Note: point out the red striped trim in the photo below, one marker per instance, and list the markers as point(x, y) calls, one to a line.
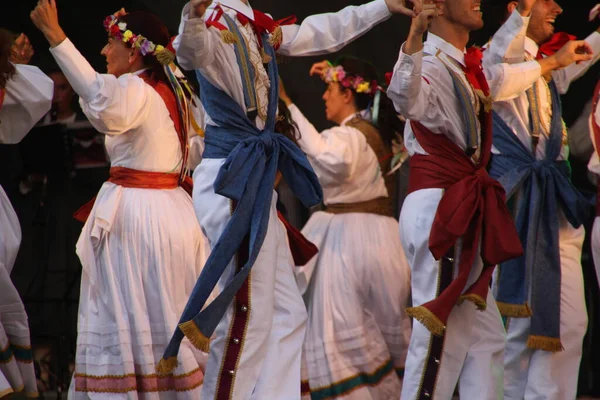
point(305, 388)
point(237, 331)
point(138, 383)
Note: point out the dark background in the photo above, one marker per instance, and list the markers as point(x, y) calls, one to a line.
point(47, 268)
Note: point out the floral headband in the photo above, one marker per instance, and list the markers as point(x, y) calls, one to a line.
point(119, 31)
point(354, 82)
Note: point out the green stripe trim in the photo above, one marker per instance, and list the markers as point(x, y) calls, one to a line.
point(23, 354)
point(348, 385)
point(6, 354)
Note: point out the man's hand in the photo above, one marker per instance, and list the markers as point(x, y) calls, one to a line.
point(575, 51)
point(420, 24)
point(21, 51)
point(412, 8)
point(200, 6)
point(525, 7)
point(45, 18)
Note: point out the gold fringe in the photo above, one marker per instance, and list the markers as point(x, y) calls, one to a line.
point(165, 57)
point(428, 319)
point(166, 366)
point(545, 343)
point(265, 57)
point(196, 337)
point(228, 37)
point(479, 302)
point(514, 310)
point(276, 37)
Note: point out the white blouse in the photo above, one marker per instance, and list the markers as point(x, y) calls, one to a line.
point(345, 164)
point(28, 98)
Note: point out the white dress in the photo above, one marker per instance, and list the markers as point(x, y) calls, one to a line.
point(28, 98)
point(141, 249)
point(358, 286)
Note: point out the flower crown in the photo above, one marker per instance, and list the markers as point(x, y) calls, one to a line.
point(354, 82)
point(119, 31)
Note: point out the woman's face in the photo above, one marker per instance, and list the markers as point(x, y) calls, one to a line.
point(335, 98)
point(118, 57)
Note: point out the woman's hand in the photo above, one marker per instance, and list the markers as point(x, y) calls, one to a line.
point(319, 68)
point(45, 18)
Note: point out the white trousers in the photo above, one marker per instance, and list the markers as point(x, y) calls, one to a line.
point(470, 354)
point(255, 352)
point(541, 375)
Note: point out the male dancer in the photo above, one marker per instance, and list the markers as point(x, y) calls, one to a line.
point(255, 352)
point(455, 212)
point(541, 293)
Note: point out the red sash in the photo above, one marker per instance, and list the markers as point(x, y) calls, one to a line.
point(472, 208)
point(596, 130)
point(302, 249)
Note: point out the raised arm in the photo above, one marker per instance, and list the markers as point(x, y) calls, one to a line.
point(508, 43)
point(112, 105)
point(195, 44)
point(564, 77)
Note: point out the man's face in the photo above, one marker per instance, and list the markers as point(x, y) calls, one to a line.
point(464, 12)
point(541, 23)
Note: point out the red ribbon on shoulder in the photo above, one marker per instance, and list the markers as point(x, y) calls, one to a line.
point(556, 42)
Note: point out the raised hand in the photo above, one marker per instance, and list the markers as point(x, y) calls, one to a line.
point(525, 7)
point(120, 13)
point(200, 6)
point(574, 51)
point(419, 26)
point(412, 8)
point(319, 68)
point(45, 18)
point(21, 51)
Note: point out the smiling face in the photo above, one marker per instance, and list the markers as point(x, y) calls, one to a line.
point(466, 13)
point(541, 23)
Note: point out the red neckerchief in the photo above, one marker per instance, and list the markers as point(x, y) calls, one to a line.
point(262, 22)
point(556, 42)
point(474, 71)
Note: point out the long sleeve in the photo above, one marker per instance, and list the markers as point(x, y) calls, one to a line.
point(329, 32)
point(195, 44)
point(508, 81)
point(28, 98)
point(564, 77)
point(508, 43)
point(411, 87)
point(113, 105)
point(594, 164)
point(333, 152)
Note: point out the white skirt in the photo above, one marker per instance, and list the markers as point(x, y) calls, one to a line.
point(142, 251)
point(16, 361)
point(356, 291)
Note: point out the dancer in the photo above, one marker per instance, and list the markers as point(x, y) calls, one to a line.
point(141, 248)
point(259, 318)
point(541, 293)
point(454, 225)
point(25, 96)
point(358, 286)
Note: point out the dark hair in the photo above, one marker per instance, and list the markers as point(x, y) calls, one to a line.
point(285, 124)
point(152, 28)
point(7, 70)
point(387, 123)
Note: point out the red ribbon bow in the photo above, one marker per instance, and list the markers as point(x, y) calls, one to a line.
point(556, 42)
point(474, 71)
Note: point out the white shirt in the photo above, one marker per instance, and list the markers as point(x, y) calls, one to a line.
point(28, 97)
point(347, 167)
point(511, 45)
point(422, 89)
point(140, 132)
point(199, 47)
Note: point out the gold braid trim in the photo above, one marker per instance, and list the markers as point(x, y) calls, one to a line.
point(264, 56)
point(545, 343)
point(479, 302)
point(428, 319)
point(276, 37)
point(196, 337)
point(228, 37)
point(166, 366)
point(514, 310)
